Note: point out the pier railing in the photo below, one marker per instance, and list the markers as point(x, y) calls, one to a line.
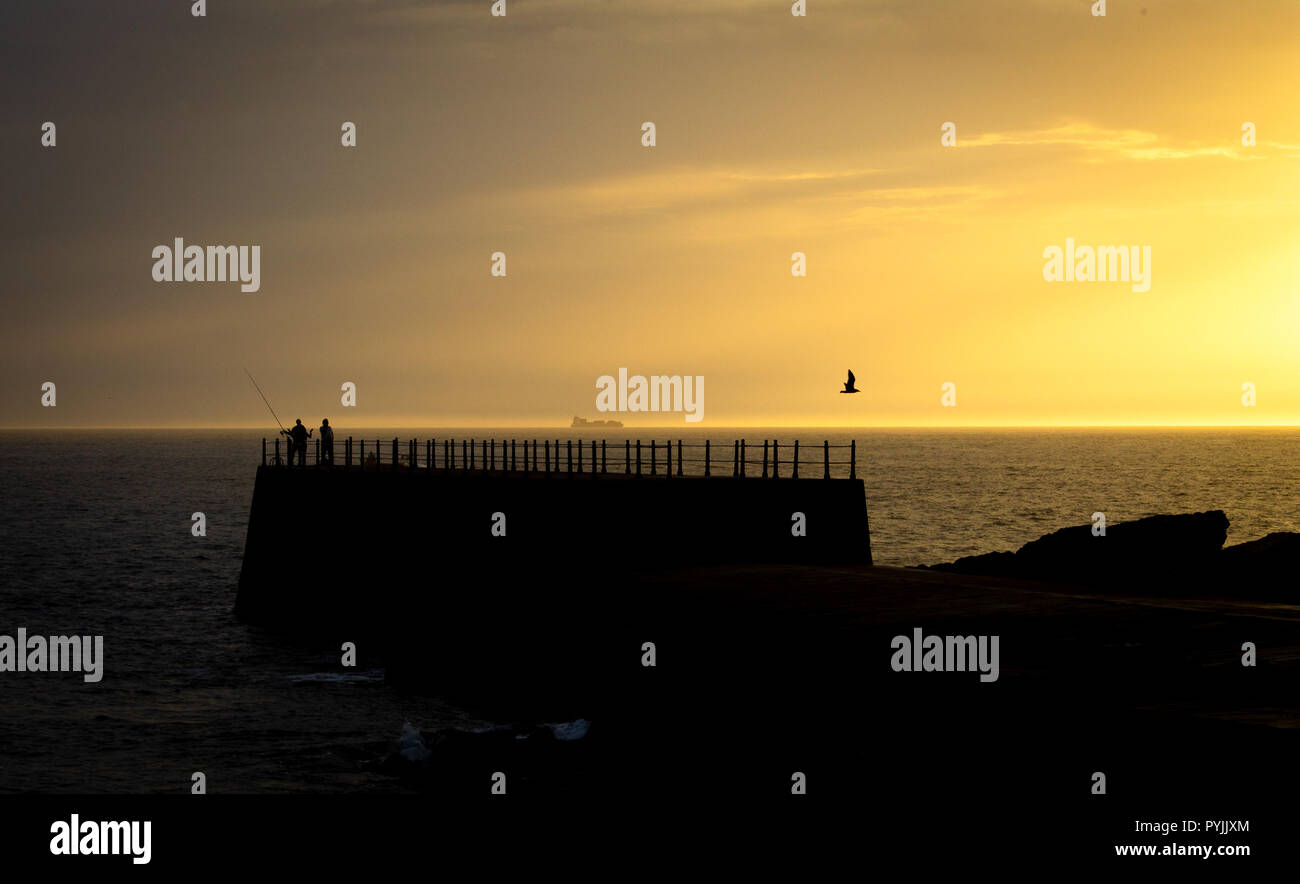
point(739, 458)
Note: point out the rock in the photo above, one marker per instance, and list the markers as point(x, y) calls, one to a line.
point(1268, 562)
point(994, 564)
point(1161, 547)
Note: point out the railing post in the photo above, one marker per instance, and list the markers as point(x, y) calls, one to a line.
point(668, 459)
point(776, 461)
point(742, 458)
point(394, 453)
point(679, 457)
point(485, 453)
point(735, 457)
point(652, 457)
point(706, 457)
point(263, 451)
point(361, 464)
point(514, 464)
point(534, 455)
point(579, 455)
point(638, 457)
point(414, 459)
point(853, 458)
point(568, 453)
point(795, 475)
point(602, 454)
point(347, 453)
point(593, 457)
point(764, 458)
point(627, 456)
point(826, 458)
point(548, 455)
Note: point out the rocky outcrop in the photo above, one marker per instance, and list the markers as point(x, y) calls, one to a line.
point(1268, 565)
point(1156, 547)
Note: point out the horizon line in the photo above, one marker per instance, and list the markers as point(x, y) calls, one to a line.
point(408, 426)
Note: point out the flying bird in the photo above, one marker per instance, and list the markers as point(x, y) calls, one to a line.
point(848, 385)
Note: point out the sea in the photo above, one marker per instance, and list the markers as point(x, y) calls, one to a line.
point(96, 539)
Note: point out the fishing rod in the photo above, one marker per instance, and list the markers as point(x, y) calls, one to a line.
point(267, 401)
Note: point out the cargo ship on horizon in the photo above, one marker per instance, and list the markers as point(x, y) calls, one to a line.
point(582, 422)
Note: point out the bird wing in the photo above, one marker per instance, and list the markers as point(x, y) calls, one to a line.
point(851, 378)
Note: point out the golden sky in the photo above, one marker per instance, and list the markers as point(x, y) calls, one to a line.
point(775, 134)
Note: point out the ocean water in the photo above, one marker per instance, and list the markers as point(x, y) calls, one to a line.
point(95, 539)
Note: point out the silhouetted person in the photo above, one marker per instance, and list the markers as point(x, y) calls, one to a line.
point(298, 437)
point(848, 385)
point(326, 441)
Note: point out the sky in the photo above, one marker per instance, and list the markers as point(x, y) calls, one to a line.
point(775, 134)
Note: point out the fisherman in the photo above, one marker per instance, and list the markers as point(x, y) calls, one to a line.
point(326, 442)
point(298, 437)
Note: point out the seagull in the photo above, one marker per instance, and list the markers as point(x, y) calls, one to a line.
point(848, 385)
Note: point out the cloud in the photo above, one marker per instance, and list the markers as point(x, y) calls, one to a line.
point(1134, 144)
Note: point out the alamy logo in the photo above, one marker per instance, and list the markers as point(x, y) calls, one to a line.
point(58, 653)
point(946, 653)
point(1102, 264)
point(658, 393)
point(182, 263)
point(92, 838)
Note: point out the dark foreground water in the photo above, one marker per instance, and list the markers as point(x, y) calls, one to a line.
point(95, 539)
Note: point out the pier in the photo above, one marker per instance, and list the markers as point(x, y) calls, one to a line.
point(632, 457)
point(511, 562)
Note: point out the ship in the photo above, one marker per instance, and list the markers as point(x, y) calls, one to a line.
point(583, 422)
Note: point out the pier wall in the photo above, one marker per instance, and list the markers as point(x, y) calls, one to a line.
point(407, 561)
